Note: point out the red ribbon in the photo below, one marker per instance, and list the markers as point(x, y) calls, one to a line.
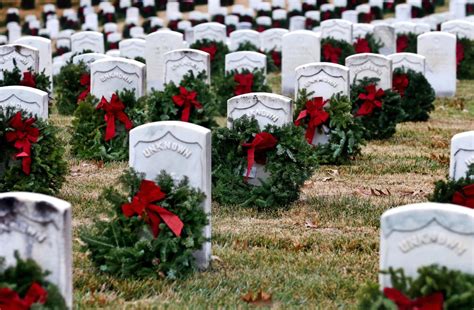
point(362, 46)
point(459, 53)
point(86, 82)
point(10, 300)
point(186, 99)
point(28, 79)
point(402, 43)
point(400, 83)
point(317, 116)
point(244, 83)
point(262, 142)
point(22, 137)
point(276, 56)
point(260, 28)
point(372, 100)
point(211, 50)
point(142, 205)
point(465, 197)
point(431, 302)
point(113, 110)
point(331, 53)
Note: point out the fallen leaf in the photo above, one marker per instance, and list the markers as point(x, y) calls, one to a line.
point(243, 245)
point(216, 258)
point(441, 158)
point(415, 193)
point(439, 143)
point(310, 224)
point(380, 192)
point(326, 179)
point(262, 299)
point(297, 246)
point(332, 172)
point(100, 164)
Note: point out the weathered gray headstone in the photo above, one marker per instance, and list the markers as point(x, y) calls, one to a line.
point(370, 65)
point(462, 154)
point(178, 63)
point(29, 99)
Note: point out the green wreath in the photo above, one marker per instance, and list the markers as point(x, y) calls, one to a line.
point(335, 51)
point(162, 106)
point(68, 86)
point(44, 169)
point(127, 245)
point(407, 42)
point(416, 93)
point(346, 131)
point(228, 86)
point(368, 44)
point(25, 285)
point(454, 289)
point(89, 129)
point(290, 163)
point(217, 51)
point(378, 122)
point(466, 59)
point(37, 80)
point(459, 191)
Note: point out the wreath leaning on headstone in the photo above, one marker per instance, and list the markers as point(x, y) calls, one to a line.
point(416, 93)
point(379, 110)
point(406, 42)
point(152, 231)
point(333, 117)
point(24, 286)
point(235, 83)
point(288, 159)
point(435, 288)
point(459, 192)
point(465, 58)
point(100, 127)
point(28, 78)
point(217, 52)
point(335, 51)
point(71, 85)
point(31, 155)
point(190, 101)
point(367, 44)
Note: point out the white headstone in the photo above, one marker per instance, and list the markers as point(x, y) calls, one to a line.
point(179, 62)
point(460, 28)
point(297, 23)
point(87, 40)
point(411, 61)
point(246, 60)
point(338, 29)
point(439, 48)
point(299, 48)
point(14, 31)
point(211, 31)
point(462, 154)
point(38, 227)
point(272, 39)
point(386, 35)
point(132, 48)
point(157, 44)
point(25, 57)
point(43, 46)
point(351, 16)
point(53, 26)
point(88, 58)
point(239, 37)
point(181, 149)
point(29, 99)
point(360, 30)
point(110, 75)
point(423, 234)
point(371, 66)
point(403, 12)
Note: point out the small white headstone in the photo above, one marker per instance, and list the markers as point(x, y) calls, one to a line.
point(386, 35)
point(178, 63)
point(88, 58)
point(43, 46)
point(462, 154)
point(460, 28)
point(297, 23)
point(29, 99)
point(403, 12)
point(370, 65)
point(211, 31)
point(411, 61)
point(239, 37)
point(246, 61)
point(338, 29)
point(25, 57)
point(272, 39)
point(87, 40)
point(132, 48)
point(14, 31)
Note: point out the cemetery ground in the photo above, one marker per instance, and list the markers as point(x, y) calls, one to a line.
point(317, 253)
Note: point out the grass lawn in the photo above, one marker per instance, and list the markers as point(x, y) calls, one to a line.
point(315, 254)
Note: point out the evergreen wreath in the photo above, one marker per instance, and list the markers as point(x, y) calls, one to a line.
point(406, 42)
point(416, 93)
point(31, 155)
point(24, 286)
point(290, 161)
point(37, 80)
point(71, 85)
point(368, 44)
point(134, 242)
point(95, 138)
point(236, 83)
point(435, 286)
point(217, 51)
point(345, 131)
point(379, 110)
point(460, 192)
point(465, 59)
point(335, 51)
point(271, 66)
point(190, 101)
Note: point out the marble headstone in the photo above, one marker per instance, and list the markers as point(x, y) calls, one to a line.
point(87, 40)
point(25, 57)
point(462, 154)
point(132, 48)
point(337, 29)
point(239, 37)
point(411, 61)
point(246, 60)
point(460, 28)
point(88, 58)
point(43, 46)
point(211, 31)
point(271, 39)
point(179, 62)
point(29, 99)
point(386, 35)
point(371, 66)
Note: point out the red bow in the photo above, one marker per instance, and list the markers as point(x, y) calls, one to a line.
point(459, 53)
point(23, 135)
point(260, 28)
point(28, 79)
point(317, 116)
point(86, 82)
point(244, 83)
point(262, 142)
point(362, 46)
point(211, 50)
point(326, 15)
point(276, 56)
point(331, 53)
point(10, 300)
point(142, 205)
point(431, 302)
point(113, 110)
point(400, 83)
point(371, 100)
point(465, 197)
point(187, 100)
point(402, 43)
